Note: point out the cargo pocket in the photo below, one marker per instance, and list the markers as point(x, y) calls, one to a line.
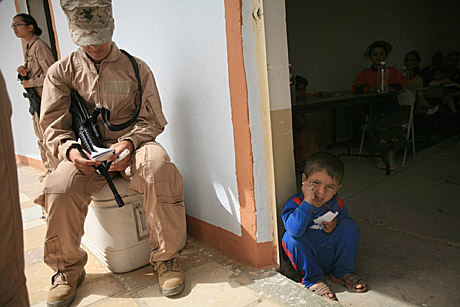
point(53, 255)
point(170, 223)
point(171, 227)
point(169, 185)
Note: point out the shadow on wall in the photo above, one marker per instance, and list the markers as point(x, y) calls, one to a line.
point(211, 193)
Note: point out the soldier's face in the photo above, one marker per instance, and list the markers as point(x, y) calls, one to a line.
point(21, 30)
point(98, 52)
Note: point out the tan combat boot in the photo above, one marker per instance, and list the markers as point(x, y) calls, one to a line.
point(170, 277)
point(62, 294)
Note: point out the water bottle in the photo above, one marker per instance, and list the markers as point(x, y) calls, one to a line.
point(382, 78)
point(405, 72)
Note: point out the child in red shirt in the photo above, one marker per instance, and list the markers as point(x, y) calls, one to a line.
point(387, 133)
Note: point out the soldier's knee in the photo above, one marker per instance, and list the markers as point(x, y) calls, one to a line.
point(60, 180)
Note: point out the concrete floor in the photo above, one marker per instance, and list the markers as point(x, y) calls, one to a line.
point(408, 251)
point(410, 229)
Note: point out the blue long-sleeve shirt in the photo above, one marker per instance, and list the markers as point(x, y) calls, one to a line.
point(298, 215)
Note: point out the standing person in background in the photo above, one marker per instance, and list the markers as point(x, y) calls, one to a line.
point(37, 59)
point(13, 291)
point(387, 131)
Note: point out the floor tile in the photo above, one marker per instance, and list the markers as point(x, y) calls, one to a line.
point(99, 289)
point(31, 213)
point(38, 281)
point(125, 300)
point(23, 198)
point(33, 223)
point(34, 237)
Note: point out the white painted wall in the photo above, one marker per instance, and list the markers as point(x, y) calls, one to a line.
point(184, 43)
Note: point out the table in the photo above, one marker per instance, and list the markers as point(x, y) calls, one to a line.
point(343, 100)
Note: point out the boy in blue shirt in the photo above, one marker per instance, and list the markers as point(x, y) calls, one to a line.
point(320, 235)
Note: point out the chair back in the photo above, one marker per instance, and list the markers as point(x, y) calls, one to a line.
point(406, 98)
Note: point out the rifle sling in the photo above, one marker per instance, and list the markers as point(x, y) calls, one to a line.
point(105, 113)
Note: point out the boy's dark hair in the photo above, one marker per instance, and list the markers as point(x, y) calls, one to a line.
point(29, 20)
point(413, 52)
point(383, 44)
point(325, 161)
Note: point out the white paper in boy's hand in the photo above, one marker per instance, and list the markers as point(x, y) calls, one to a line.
point(327, 217)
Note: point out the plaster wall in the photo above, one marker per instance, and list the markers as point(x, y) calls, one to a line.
point(280, 104)
point(262, 178)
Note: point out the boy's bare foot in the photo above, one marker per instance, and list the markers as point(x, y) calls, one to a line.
point(322, 289)
point(351, 281)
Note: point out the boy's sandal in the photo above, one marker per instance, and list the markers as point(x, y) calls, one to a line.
point(350, 281)
point(322, 289)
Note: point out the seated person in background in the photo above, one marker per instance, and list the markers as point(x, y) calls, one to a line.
point(301, 89)
point(450, 66)
point(387, 133)
point(437, 61)
point(415, 81)
point(439, 77)
point(451, 91)
point(305, 140)
point(314, 247)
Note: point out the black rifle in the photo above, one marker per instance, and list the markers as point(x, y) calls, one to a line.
point(86, 129)
point(33, 97)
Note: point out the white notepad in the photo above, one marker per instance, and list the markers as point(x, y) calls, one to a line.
point(327, 217)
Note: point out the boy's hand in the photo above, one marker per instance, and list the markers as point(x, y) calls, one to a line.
point(330, 226)
point(308, 191)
